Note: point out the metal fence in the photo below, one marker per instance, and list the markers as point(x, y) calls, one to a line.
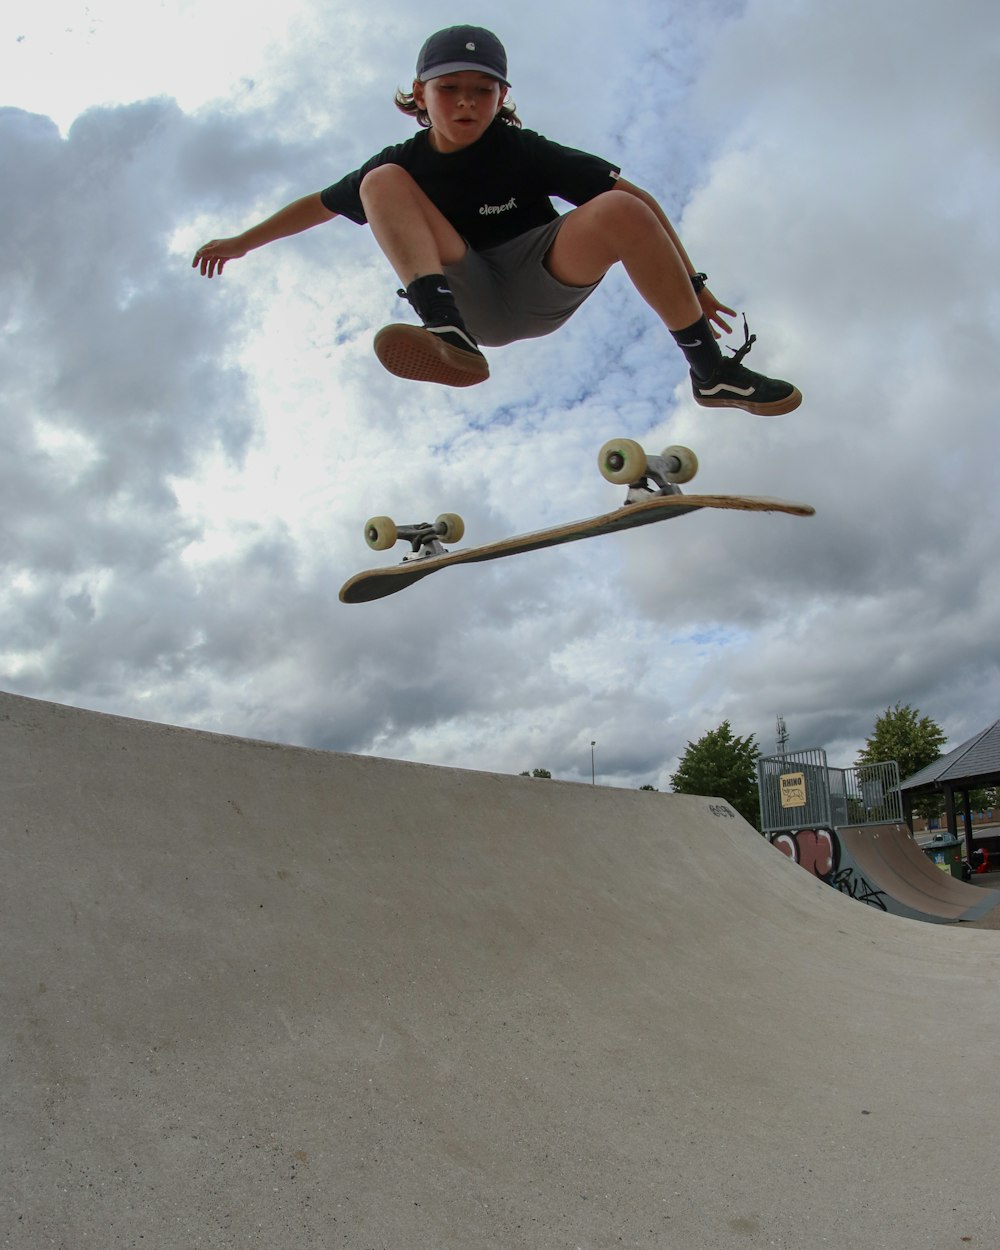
point(794, 791)
point(871, 794)
point(800, 789)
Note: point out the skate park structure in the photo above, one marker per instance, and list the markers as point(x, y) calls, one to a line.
point(845, 826)
point(260, 996)
point(972, 765)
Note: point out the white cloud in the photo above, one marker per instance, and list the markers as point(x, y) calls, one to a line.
point(187, 465)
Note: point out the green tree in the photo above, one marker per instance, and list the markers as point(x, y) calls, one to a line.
point(721, 764)
point(903, 735)
point(538, 772)
point(913, 741)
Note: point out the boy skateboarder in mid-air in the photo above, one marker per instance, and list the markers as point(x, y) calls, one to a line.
point(463, 214)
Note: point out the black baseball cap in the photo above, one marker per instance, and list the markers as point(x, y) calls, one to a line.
point(462, 47)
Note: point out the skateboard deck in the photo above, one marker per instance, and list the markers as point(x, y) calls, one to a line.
point(377, 583)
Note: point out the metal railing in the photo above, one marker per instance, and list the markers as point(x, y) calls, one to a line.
point(800, 789)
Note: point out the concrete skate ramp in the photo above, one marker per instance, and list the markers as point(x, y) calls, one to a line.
point(889, 860)
point(277, 999)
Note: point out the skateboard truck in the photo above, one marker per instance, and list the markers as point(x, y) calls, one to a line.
point(624, 462)
point(425, 539)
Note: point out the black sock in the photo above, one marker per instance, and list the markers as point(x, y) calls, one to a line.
point(700, 349)
point(433, 301)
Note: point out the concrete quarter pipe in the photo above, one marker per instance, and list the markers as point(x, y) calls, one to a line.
point(882, 866)
point(258, 996)
point(891, 858)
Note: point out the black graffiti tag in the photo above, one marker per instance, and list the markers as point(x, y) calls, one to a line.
point(848, 882)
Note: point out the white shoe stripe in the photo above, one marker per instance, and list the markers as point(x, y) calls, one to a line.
point(453, 330)
point(746, 392)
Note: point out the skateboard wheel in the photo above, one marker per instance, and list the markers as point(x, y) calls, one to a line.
point(622, 461)
point(380, 533)
point(454, 527)
point(689, 463)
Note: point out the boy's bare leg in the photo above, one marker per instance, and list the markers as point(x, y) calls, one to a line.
point(414, 235)
point(627, 225)
point(419, 242)
point(617, 226)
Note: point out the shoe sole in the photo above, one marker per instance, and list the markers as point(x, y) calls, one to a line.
point(777, 408)
point(414, 353)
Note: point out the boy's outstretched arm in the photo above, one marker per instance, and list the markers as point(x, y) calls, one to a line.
point(292, 219)
point(710, 305)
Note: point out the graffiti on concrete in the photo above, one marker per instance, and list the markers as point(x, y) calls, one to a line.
point(847, 881)
point(818, 852)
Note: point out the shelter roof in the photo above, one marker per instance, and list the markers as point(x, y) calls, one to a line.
point(976, 762)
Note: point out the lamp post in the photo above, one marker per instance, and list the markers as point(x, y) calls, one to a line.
point(593, 773)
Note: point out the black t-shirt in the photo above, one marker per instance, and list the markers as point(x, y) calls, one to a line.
point(491, 191)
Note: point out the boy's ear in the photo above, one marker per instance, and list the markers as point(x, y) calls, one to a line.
point(503, 96)
point(418, 92)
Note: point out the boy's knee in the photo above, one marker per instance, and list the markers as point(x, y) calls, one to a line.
point(384, 179)
point(628, 209)
point(618, 214)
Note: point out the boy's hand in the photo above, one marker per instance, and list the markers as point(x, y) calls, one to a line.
point(211, 258)
point(712, 309)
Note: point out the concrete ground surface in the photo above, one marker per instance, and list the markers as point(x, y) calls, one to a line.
point(264, 997)
point(987, 881)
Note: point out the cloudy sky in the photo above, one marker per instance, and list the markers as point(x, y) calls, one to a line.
point(186, 466)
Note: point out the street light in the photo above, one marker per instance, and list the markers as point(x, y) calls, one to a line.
point(593, 774)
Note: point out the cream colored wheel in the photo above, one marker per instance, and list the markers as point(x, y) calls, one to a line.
point(622, 461)
point(689, 463)
point(454, 527)
point(380, 533)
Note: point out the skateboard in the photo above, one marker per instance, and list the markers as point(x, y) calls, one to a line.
point(654, 494)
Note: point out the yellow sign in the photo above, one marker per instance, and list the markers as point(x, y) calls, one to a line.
point(793, 790)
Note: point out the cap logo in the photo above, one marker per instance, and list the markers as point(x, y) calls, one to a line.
point(470, 47)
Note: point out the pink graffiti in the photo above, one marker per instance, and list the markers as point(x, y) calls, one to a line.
point(812, 848)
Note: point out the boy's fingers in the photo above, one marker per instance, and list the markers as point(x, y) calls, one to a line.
point(207, 264)
point(202, 258)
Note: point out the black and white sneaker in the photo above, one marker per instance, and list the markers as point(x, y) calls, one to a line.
point(441, 353)
point(732, 385)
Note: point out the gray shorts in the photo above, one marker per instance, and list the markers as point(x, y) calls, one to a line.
point(505, 293)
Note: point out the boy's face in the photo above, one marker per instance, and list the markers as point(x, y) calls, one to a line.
point(460, 106)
